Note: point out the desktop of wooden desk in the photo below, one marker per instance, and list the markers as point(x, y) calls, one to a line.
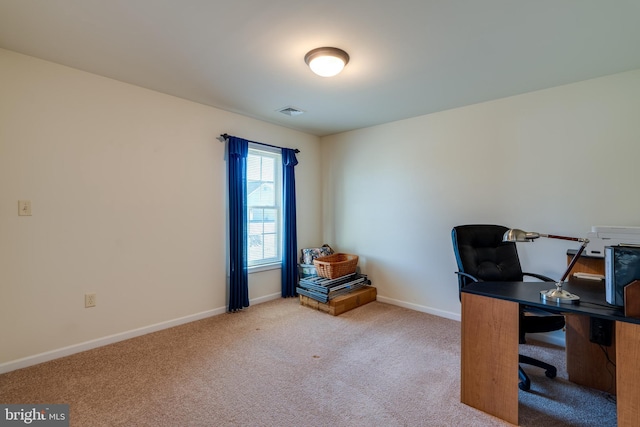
point(489, 344)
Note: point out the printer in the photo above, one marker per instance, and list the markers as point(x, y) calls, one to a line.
point(601, 236)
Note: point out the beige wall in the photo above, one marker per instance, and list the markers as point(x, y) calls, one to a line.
point(557, 161)
point(128, 193)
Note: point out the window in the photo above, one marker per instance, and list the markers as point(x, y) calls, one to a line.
point(264, 202)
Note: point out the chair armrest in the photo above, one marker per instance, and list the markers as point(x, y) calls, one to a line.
point(461, 281)
point(539, 277)
point(475, 279)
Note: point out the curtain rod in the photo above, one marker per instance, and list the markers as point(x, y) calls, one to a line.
point(225, 136)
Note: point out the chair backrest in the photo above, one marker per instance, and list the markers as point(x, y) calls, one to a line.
point(480, 252)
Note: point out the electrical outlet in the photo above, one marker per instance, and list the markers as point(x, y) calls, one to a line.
point(601, 331)
point(89, 300)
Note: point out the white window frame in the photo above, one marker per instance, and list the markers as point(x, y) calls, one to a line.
point(275, 262)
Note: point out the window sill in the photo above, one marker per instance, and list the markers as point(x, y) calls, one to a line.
point(264, 267)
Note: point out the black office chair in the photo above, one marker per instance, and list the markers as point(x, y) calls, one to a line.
point(483, 256)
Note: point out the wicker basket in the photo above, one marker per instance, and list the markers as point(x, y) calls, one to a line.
point(336, 265)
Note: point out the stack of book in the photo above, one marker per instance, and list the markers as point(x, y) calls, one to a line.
point(323, 289)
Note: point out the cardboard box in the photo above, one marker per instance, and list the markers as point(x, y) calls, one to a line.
point(342, 303)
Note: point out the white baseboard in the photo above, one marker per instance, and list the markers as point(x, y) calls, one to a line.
point(99, 342)
point(555, 338)
point(265, 298)
point(416, 307)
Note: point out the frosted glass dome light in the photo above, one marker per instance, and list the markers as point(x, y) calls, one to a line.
point(326, 61)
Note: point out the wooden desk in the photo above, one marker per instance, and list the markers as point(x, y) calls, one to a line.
point(489, 356)
point(587, 362)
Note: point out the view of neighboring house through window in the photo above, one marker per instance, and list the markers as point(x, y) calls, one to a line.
point(264, 201)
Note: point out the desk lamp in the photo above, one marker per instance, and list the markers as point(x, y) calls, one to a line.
point(557, 295)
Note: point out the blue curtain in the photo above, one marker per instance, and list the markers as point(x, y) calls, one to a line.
point(237, 165)
point(289, 235)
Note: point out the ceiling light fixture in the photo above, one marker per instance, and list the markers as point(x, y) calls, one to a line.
point(326, 61)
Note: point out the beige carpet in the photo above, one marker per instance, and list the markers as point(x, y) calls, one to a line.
point(282, 364)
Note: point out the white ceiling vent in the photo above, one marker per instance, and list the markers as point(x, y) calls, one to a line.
point(291, 111)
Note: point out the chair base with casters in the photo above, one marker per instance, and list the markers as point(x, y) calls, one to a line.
point(525, 382)
point(535, 324)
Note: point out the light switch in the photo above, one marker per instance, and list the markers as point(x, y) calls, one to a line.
point(24, 207)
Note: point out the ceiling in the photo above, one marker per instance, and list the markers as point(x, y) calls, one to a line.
point(408, 57)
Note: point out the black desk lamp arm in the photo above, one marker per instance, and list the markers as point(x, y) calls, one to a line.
point(574, 259)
